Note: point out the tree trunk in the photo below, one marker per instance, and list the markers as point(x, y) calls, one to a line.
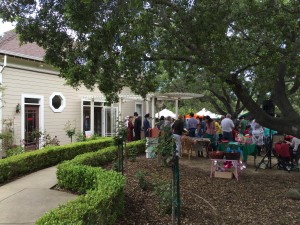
point(289, 124)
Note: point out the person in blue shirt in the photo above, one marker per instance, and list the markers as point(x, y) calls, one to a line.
point(192, 125)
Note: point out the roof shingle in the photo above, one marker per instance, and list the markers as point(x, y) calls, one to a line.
point(10, 44)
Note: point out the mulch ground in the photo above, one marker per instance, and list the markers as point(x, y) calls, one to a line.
point(259, 197)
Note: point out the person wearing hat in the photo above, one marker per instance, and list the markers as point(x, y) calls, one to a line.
point(161, 122)
point(137, 126)
point(146, 125)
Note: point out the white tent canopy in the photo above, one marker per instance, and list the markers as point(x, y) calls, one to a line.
point(204, 112)
point(165, 113)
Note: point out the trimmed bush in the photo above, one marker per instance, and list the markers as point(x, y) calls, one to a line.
point(28, 162)
point(102, 201)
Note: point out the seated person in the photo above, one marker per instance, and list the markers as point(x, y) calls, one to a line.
point(294, 146)
point(235, 132)
point(247, 130)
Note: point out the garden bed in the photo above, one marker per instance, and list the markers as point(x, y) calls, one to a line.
point(257, 198)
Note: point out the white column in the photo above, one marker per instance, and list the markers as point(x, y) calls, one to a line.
point(120, 110)
point(147, 106)
point(176, 108)
point(92, 119)
point(153, 111)
point(81, 116)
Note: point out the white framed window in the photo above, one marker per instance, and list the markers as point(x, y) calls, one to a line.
point(57, 102)
point(32, 99)
point(139, 108)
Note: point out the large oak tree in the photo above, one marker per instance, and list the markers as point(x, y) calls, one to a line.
point(114, 43)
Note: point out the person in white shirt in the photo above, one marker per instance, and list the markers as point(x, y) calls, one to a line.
point(295, 143)
point(227, 126)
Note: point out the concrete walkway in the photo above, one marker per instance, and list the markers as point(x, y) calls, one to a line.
point(25, 200)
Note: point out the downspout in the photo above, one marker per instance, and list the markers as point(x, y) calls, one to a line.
point(92, 116)
point(1, 102)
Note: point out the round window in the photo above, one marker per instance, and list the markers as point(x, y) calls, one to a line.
point(57, 102)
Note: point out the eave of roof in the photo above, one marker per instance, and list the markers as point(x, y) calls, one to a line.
point(175, 95)
point(21, 55)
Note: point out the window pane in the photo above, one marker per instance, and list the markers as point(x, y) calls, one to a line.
point(98, 103)
point(86, 118)
point(32, 100)
point(139, 109)
point(56, 101)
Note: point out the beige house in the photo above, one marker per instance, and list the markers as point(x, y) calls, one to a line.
point(36, 98)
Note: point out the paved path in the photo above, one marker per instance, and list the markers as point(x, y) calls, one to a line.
point(26, 199)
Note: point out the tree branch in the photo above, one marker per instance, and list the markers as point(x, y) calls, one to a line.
point(216, 105)
point(279, 93)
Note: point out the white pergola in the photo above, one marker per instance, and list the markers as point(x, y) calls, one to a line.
point(151, 98)
point(171, 96)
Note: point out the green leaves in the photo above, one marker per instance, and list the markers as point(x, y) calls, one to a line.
point(115, 43)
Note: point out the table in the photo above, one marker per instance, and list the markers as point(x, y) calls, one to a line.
point(218, 164)
point(199, 143)
point(245, 148)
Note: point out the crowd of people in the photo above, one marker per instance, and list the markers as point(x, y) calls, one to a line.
point(216, 130)
point(135, 125)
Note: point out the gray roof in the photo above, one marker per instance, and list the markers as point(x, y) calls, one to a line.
point(10, 45)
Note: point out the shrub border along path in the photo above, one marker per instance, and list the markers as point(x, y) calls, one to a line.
point(19, 165)
point(102, 201)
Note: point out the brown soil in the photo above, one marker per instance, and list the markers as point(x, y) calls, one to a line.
point(257, 198)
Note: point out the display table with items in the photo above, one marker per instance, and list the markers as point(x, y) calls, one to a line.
point(224, 165)
point(245, 148)
point(190, 144)
point(201, 144)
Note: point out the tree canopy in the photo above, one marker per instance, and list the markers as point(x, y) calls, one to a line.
point(250, 46)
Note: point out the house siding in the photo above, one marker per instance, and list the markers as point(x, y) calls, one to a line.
point(20, 81)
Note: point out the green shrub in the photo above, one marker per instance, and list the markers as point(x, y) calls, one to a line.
point(17, 150)
point(28, 162)
point(7, 137)
point(103, 199)
point(141, 178)
point(164, 192)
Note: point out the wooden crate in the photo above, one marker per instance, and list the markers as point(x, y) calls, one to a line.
point(226, 175)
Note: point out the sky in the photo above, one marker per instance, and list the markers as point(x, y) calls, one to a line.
point(5, 27)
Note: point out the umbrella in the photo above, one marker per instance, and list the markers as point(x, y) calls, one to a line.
point(165, 113)
point(204, 112)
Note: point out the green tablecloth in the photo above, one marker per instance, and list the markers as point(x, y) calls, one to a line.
point(247, 149)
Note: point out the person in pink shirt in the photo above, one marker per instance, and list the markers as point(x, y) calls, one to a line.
point(211, 130)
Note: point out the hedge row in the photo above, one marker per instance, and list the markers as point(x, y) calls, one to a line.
point(102, 201)
point(19, 165)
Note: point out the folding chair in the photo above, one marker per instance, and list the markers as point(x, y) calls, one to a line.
point(187, 145)
point(283, 155)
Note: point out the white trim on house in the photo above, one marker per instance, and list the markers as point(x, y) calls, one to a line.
point(81, 115)
point(92, 106)
point(41, 112)
point(135, 108)
point(28, 68)
point(21, 55)
point(1, 100)
point(63, 102)
point(112, 126)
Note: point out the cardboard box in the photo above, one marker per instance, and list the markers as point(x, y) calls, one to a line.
point(226, 175)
